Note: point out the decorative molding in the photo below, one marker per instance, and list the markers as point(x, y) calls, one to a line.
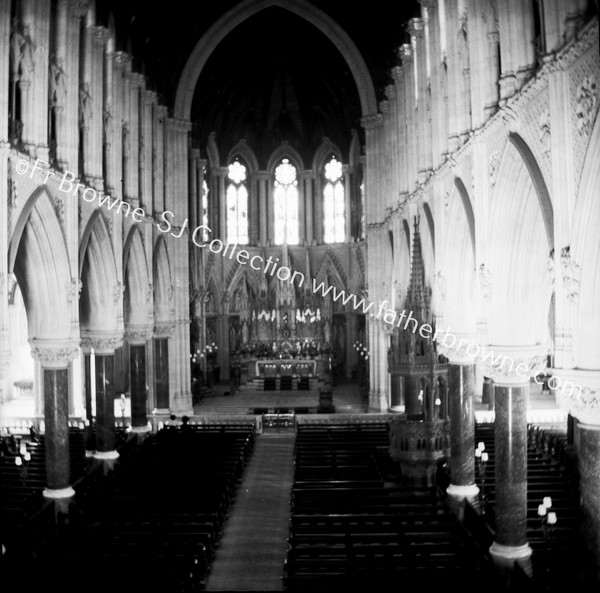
point(587, 100)
point(441, 284)
point(102, 343)
point(138, 335)
point(485, 281)
point(118, 292)
point(372, 121)
point(164, 330)
point(504, 364)
point(54, 353)
point(571, 273)
point(578, 393)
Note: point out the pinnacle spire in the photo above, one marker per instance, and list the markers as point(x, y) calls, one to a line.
point(417, 298)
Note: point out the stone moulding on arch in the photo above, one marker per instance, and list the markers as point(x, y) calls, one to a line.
point(244, 10)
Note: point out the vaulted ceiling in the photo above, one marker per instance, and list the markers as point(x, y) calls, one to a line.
point(274, 77)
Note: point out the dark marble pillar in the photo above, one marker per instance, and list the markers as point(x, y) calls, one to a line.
point(137, 383)
point(161, 373)
point(105, 406)
point(510, 437)
point(589, 484)
point(56, 417)
point(461, 382)
point(487, 394)
point(55, 357)
point(411, 395)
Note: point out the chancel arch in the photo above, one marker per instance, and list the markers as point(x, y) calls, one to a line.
point(237, 15)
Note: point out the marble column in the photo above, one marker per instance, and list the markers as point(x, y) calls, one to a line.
point(104, 346)
point(511, 388)
point(137, 379)
point(461, 381)
point(578, 393)
point(510, 438)
point(55, 358)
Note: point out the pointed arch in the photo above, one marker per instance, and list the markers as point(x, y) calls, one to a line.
point(585, 252)
point(137, 281)
point(163, 283)
point(246, 153)
point(326, 148)
point(98, 307)
point(283, 151)
point(458, 265)
point(331, 268)
point(38, 256)
point(521, 240)
point(242, 11)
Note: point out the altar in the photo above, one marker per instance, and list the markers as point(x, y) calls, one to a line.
point(282, 366)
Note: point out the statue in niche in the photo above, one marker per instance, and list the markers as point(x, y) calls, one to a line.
point(22, 49)
point(126, 140)
point(209, 300)
point(245, 336)
point(58, 82)
point(85, 104)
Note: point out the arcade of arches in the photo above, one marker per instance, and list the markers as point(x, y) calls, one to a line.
point(461, 184)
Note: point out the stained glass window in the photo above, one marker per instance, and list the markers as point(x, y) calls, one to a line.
point(285, 203)
point(334, 203)
point(236, 198)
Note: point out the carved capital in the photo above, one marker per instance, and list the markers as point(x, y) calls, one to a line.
point(54, 353)
point(513, 365)
point(371, 122)
point(578, 393)
point(137, 334)
point(102, 343)
point(164, 330)
point(458, 348)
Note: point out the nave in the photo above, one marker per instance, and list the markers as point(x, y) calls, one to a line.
point(246, 503)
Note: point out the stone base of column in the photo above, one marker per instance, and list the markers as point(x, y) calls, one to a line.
point(504, 557)
point(140, 429)
point(106, 455)
point(58, 493)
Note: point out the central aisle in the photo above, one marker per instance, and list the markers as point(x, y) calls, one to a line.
point(253, 546)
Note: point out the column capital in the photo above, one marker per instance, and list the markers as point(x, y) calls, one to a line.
point(463, 350)
point(372, 121)
point(513, 365)
point(138, 334)
point(54, 353)
point(103, 343)
point(578, 393)
point(164, 330)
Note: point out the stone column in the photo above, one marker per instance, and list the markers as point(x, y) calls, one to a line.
point(104, 346)
point(347, 204)
point(162, 333)
point(461, 388)
point(262, 177)
point(55, 358)
point(578, 392)
point(221, 173)
point(308, 201)
point(511, 387)
point(137, 340)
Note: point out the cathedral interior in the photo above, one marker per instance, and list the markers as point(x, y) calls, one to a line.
point(300, 295)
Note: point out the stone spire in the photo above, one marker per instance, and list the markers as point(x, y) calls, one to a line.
point(417, 299)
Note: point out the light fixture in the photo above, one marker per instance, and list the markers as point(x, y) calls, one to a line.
point(18, 461)
point(484, 457)
point(27, 456)
point(481, 446)
point(541, 510)
point(477, 452)
point(438, 401)
point(547, 502)
point(552, 518)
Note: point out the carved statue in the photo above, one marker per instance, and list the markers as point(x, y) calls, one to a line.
point(85, 104)
point(58, 81)
point(22, 50)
